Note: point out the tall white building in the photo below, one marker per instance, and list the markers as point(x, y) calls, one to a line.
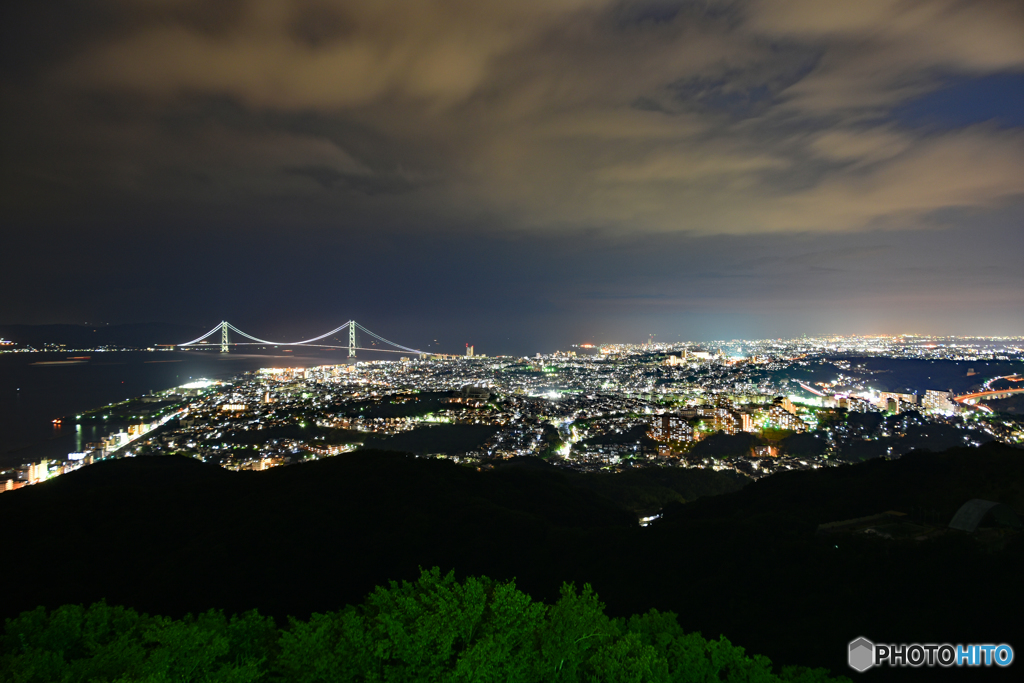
point(939, 401)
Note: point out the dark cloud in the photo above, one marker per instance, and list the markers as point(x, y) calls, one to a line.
point(332, 179)
point(599, 160)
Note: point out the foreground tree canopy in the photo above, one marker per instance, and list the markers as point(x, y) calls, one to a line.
point(434, 629)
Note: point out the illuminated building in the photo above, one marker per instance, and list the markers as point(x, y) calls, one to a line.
point(12, 484)
point(725, 421)
point(38, 471)
point(669, 427)
point(722, 419)
point(896, 402)
point(780, 418)
point(786, 405)
point(480, 393)
point(939, 401)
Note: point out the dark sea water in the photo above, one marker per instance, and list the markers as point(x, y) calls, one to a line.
point(36, 388)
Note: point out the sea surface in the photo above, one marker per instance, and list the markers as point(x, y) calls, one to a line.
point(36, 388)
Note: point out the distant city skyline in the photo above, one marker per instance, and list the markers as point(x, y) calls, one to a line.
point(162, 337)
point(517, 176)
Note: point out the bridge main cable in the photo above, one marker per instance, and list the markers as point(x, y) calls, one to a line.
point(257, 339)
point(328, 334)
point(354, 325)
point(374, 334)
point(199, 339)
point(297, 343)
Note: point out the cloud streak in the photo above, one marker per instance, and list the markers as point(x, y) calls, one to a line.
point(572, 121)
point(625, 116)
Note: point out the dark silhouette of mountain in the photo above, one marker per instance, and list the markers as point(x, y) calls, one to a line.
point(172, 535)
point(138, 335)
point(645, 490)
point(936, 483)
point(721, 445)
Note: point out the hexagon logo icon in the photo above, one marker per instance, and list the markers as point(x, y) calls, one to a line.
point(862, 654)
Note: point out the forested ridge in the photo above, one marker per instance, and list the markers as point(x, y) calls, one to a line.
point(432, 629)
point(173, 536)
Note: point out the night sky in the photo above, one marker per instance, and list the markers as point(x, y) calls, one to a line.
point(518, 175)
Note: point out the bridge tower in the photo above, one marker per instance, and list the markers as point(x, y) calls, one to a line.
point(351, 338)
point(224, 336)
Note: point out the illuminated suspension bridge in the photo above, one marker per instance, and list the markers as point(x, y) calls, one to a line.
point(225, 341)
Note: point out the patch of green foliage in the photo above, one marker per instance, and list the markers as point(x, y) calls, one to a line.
point(439, 438)
point(635, 434)
point(806, 445)
point(433, 629)
point(407, 405)
point(108, 643)
point(721, 445)
point(1011, 405)
point(299, 431)
point(551, 442)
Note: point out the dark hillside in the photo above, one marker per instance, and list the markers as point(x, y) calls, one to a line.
point(648, 489)
point(173, 535)
point(643, 490)
point(924, 483)
point(170, 535)
point(751, 564)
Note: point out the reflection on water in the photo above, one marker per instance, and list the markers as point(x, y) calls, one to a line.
point(37, 388)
